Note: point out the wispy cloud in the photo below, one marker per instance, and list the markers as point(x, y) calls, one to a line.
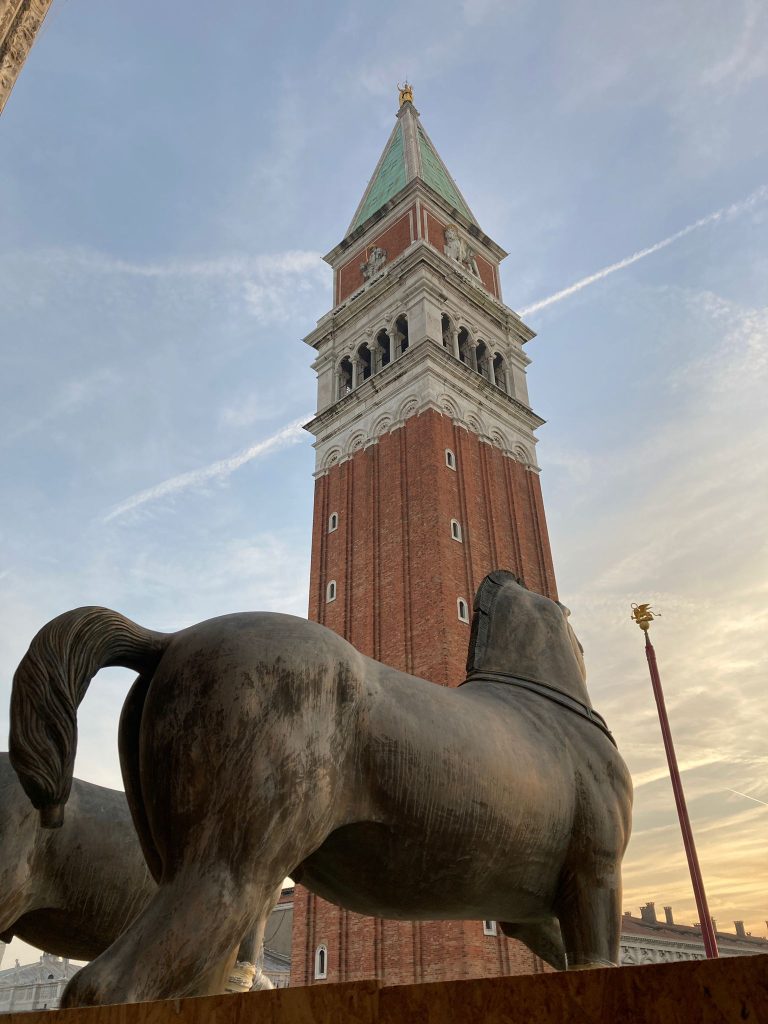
point(287, 435)
point(71, 396)
point(758, 196)
point(747, 797)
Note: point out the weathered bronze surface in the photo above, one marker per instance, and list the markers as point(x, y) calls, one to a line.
point(259, 745)
point(74, 891)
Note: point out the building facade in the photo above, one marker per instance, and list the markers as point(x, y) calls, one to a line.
point(426, 480)
point(648, 940)
point(35, 986)
point(20, 21)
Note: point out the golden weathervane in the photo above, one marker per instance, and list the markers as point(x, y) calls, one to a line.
point(643, 616)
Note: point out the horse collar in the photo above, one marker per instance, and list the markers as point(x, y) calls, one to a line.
point(545, 690)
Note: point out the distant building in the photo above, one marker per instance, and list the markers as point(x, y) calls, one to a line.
point(647, 940)
point(35, 986)
point(277, 941)
point(20, 21)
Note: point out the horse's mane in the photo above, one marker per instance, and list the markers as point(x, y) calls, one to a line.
point(485, 599)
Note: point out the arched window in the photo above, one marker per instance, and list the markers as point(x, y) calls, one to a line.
point(489, 927)
point(456, 530)
point(483, 360)
point(464, 345)
point(364, 363)
point(401, 334)
point(344, 377)
point(499, 371)
point(445, 323)
point(330, 591)
point(383, 348)
point(321, 962)
point(463, 609)
point(333, 522)
point(450, 459)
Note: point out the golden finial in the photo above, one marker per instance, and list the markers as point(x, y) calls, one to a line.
point(406, 93)
point(643, 616)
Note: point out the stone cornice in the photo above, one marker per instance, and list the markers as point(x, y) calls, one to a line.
point(424, 377)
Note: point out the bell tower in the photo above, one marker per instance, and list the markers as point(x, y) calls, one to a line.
point(425, 480)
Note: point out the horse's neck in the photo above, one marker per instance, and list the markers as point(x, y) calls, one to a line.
point(557, 672)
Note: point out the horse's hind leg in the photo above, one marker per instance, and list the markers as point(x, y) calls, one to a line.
point(183, 943)
point(590, 922)
point(542, 938)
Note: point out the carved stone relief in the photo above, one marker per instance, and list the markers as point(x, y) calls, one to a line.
point(375, 262)
point(457, 249)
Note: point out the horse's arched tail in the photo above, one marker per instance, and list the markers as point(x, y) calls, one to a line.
point(49, 685)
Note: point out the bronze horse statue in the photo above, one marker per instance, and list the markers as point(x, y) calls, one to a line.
point(258, 745)
point(75, 890)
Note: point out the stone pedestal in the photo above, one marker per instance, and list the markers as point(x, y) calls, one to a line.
point(728, 991)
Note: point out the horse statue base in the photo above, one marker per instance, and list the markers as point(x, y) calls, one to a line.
point(709, 991)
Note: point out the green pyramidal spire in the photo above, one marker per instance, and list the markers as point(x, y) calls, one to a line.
point(408, 154)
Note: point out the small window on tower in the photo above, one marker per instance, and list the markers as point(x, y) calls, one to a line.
point(489, 927)
point(330, 591)
point(450, 459)
point(333, 522)
point(456, 529)
point(463, 609)
point(321, 962)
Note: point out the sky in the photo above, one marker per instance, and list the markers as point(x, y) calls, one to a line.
point(169, 180)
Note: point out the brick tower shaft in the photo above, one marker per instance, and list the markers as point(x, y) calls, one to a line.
point(426, 480)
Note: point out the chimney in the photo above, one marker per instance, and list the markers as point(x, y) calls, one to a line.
point(740, 929)
point(668, 915)
point(648, 913)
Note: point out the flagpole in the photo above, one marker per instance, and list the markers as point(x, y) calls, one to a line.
point(643, 616)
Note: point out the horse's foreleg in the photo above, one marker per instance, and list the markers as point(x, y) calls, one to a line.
point(183, 943)
point(590, 923)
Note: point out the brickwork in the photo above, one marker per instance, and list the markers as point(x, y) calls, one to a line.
point(487, 275)
point(395, 239)
point(398, 574)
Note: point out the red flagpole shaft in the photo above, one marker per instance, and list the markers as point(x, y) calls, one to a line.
point(707, 929)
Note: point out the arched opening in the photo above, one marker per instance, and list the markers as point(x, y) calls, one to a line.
point(330, 591)
point(464, 345)
point(333, 522)
point(450, 459)
point(483, 360)
point(364, 363)
point(463, 609)
point(456, 530)
point(447, 328)
point(401, 334)
point(499, 371)
point(383, 348)
point(321, 962)
point(344, 377)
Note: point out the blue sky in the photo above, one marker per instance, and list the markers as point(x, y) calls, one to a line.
point(169, 178)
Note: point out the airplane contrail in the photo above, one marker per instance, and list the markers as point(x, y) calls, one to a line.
point(289, 434)
point(747, 796)
point(727, 211)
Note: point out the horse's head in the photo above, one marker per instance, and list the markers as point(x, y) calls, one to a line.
point(520, 632)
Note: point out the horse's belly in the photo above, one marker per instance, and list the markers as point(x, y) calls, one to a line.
point(371, 869)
